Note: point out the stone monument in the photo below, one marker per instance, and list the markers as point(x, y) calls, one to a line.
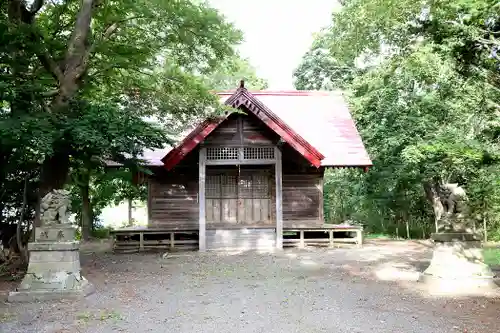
point(457, 263)
point(54, 261)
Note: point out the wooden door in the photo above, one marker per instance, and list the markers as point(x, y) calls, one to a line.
point(254, 199)
point(241, 197)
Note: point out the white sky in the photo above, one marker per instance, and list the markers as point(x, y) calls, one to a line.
point(277, 33)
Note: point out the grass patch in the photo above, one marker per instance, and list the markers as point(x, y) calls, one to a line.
point(378, 236)
point(85, 317)
point(492, 256)
point(5, 317)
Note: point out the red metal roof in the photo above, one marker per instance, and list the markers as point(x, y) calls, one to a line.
point(174, 156)
point(317, 124)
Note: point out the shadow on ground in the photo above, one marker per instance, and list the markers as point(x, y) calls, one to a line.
point(379, 278)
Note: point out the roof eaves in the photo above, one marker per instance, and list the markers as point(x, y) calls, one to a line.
point(284, 127)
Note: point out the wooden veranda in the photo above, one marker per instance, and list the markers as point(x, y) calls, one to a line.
point(243, 180)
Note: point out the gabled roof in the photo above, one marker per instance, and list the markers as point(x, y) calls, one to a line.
point(237, 99)
point(316, 124)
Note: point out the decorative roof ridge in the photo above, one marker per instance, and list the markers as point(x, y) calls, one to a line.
point(282, 92)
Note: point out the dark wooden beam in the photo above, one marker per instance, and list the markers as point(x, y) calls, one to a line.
point(279, 199)
point(201, 200)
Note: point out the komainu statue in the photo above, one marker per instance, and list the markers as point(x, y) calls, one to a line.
point(54, 208)
point(456, 216)
point(457, 264)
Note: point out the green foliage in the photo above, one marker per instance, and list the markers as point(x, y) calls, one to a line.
point(320, 71)
point(79, 87)
point(98, 232)
point(229, 73)
point(492, 256)
point(423, 84)
point(101, 233)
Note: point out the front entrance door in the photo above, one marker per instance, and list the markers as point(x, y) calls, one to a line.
point(238, 197)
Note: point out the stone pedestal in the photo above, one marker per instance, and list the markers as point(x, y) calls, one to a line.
point(457, 264)
point(54, 267)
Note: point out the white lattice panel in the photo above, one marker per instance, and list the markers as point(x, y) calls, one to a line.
point(223, 153)
point(258, 153)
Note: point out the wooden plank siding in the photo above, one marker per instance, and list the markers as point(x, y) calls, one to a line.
point(241, 130)
point(240, 239)
point(302, 199)
point(174, 200)
point(173, 195)
point(302, 191)
point(239, 196)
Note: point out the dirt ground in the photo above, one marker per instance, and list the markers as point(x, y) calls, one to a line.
point(371, 289)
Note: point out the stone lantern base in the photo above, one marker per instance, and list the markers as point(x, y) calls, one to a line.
point(457, 264)
point(54, 267)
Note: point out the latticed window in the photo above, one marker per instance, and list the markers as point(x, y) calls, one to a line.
point(225, 153)
point(258, 153)
point(238, 198)
point(233, 153)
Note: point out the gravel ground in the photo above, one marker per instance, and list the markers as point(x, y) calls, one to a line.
point(320, 290)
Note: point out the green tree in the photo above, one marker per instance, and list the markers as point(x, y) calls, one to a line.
point(105, 132)
point(424, 95)
point(143, 57)
point(320, 71)
point(116, 44)
point(229, 73)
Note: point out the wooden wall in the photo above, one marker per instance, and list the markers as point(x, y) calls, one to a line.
point(302, 191)
point(173, 195)
point(247, 202)
point(241, 239)
point(241, 130)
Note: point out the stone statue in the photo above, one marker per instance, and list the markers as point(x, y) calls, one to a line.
point(54, 208)
point(457, 263)
point(54, 269)
point(456, 213)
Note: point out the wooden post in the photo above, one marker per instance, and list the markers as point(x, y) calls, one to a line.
point(330, 236)
point(150, 193)
point(302, 241)
point(279, 199)
point(172, 240)
point(359, 237)
point(201, 196)
point(130, 211)
point(321, 185)
point(141, 241)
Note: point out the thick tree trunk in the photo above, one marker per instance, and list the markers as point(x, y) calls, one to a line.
point(19, 232)
point(68, 74)
point(54, 175)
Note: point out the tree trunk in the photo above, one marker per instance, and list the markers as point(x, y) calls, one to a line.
point(432, 194)
point(68, 74)
point(54, 175)
point(19, 231)
point(485, 229)
point(130, 206)
point(86, 211)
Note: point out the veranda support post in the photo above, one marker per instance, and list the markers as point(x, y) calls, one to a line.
point(279, 199)
point(201, 198)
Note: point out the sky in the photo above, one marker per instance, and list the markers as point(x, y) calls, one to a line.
point(277, 33)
